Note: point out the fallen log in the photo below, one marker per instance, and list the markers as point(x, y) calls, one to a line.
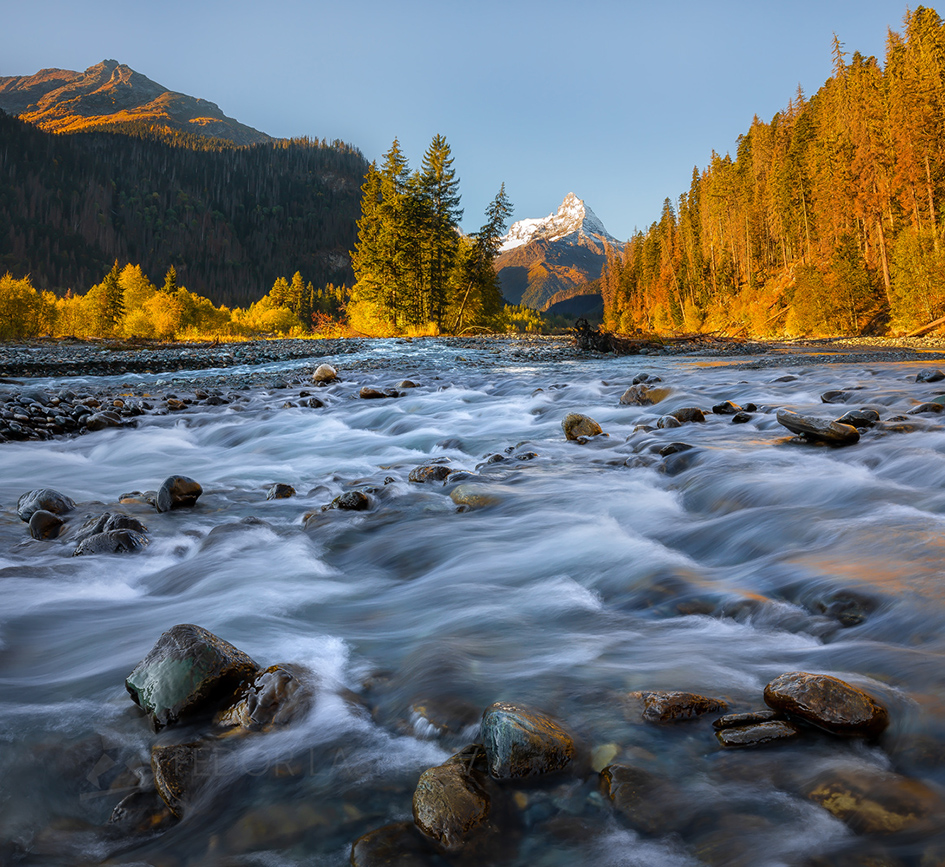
point(927, 328)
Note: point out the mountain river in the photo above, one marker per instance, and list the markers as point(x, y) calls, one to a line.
point(583, 572)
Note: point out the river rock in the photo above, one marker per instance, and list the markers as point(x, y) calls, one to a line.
point(324, 374)
point(735, 720)
point(835, 397)
point(101, 420)
point(398, 845)
point(757, 734)
point(280, 492)
point(930, 408)
point(817, 429)
point(649, 804)
point(475, 496)
point(872, 801)
point(668, 421)
point(430, 473)
point(189, 670)
point(860, 418)
point(368, 393)
point(741, 418)
point(44, 499)
point(688, 414)
point(107, 522)
point(177, 492)
point(577, 426)
point(278, 696)
point(142, 812)
point(663, 707)
point(351, 501)
point(929, 375)
point(673, 449)
point(643, 395)
point(828, 703)
point(45, 525)
point(726, 408)
point(112, 542)
point(522, 742)
point(450, 803)
point(178, 771)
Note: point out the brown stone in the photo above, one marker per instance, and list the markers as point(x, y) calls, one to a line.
point(576, 426)
point(757, 734)
point(324, 373)
point(523, 742)
point(278, 696)
point(179, 771)
point(399, 845)
point(649, 804)
point(688, 414)
point(663, 707)
point(641, 395)
point(828, 703)
point(818, 429)
point(431, 473)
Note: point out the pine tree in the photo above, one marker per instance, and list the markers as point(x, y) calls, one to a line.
point(113, 298)
point(170, 286)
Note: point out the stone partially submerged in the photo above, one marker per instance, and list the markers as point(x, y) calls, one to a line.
point(828, 703)
point(189, 671)
point(45, 499)
point(578, 427)
point(177, 492)
point(818, 429)
point(278, 696)
point(522, 742)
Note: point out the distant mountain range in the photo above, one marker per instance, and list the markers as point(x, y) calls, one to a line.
point(544, 262)
point(109, 94)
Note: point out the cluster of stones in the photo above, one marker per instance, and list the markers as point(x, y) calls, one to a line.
point(34, 414)
point(193, 676)
point(47, 512)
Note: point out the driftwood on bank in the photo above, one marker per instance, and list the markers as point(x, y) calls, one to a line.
point(938, 323)
point(590, 339)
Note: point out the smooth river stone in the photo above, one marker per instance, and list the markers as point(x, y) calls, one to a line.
point(121, 541)
point(475, 496)
point(577, 426)
point(188, 671)
point(821, 430)
point(522, 742)
point(663, 707)
point(757, 734)
point(324, 373)
point(43, 499)
point(828, 703)
point(179, 769)
point(177, 492)
point(398, 845)
point(449, 803)
point(641, 395)
point(278, 696)
point(651, 805)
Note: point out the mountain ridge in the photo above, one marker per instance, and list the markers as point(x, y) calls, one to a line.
point(111, 93)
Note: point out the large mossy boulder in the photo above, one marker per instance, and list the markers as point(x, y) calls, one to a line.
point(189, 671)
point(523, 742)
point(450, 803)
point(828, 703)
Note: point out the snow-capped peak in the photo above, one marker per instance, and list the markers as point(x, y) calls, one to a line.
point(572, 218)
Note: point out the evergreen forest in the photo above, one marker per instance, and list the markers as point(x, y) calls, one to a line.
point(229, 219)
point(830, 218)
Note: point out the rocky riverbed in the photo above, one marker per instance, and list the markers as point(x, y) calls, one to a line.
point(447, 602)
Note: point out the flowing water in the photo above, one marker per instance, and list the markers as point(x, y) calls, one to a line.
point(597, 569)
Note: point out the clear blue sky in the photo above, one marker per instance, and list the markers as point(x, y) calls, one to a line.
point(616, 101)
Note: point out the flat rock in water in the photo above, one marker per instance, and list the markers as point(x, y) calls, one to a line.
point(662, 707)
point(726, 408)
point(522, 742)
point(278, 696)
point(643, 395)
point(431, 473)
point(112, 542)
point(828, 703)
point(44, 499)
point(929, 375)
point(930, 408)
point(177, 492)
point(475, 496)
point(398, 845)
point(577, 426)
point(649, 804)
point(818, 429)
point(735, 720)
point(450, 803)
point(860, 418)
point(835, 397)
point(107, 522)
point(757, 734)
point(871, 801)
point(188, 671)
point(688, 414)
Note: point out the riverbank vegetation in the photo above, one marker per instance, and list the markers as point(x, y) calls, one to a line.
point(828, 220)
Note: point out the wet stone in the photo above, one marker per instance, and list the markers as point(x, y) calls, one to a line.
point(860, 418)
point(668, 421)
point(828, 703)
point(44, 499)
point(398, 845)
point(522, 742)
point(758, 734)
point(577, 426)
point(45, 525)
point(475, 496)
point(179, 771)
point(324, 374)
point(643, 395)
point(871, 801)
point(835, 397)
point(280, 492)
point(930, 408)
point(688, 414)
point(818, 430)
point(177, 492)
point(647, 803)
point(112, 542)
point(673, 449)
point(663, 707)
point(351, 501)
point(101, 420)
point(278, 696)
point(929, 375)
point(188, 671)
point(726, 408)
point(733, 720)
point(141, 813)
point(741, 418)
point(108, 522)
point(450, 803)
point(431, 473)
point(368, 393)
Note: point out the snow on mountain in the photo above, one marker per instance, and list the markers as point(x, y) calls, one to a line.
point(573, 218)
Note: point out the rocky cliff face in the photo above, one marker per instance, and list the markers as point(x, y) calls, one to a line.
point(60, 100)
point(552, 257)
